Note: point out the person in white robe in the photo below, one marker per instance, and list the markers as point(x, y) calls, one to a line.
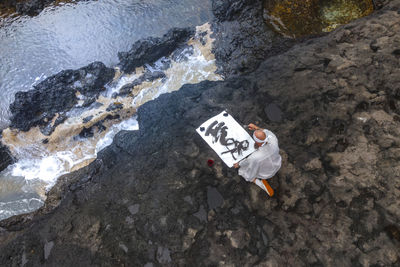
point(265, 162)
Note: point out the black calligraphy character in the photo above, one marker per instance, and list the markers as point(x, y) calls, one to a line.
point(219, 132)
point(239, 146)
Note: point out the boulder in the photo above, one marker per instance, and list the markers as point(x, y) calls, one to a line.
point(5, 157)
point(31, 7)
point(26, 7)
point(151, 49)
point(243, 40)
point(148, 76)
point(57, 94)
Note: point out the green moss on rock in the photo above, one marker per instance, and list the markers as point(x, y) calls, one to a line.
point(296, 18)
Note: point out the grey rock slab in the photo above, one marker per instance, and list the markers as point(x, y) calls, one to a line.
point(273, 112)
point(201, 214)
point(163, 255)
point(123, 247)
point(188, 199)
point(48, 246)
point(129, 220)
point(264, 238)
point(239, 238)
point(214, 198)
point(134, 209)
point(23, 259)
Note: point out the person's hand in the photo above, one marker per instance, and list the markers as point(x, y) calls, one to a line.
point(252, 127)
point(236, 165)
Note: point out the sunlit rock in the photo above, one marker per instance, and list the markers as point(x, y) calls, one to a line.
point(296, 18)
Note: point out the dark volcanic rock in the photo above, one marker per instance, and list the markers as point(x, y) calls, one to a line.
point(214, 198)
point(57, 94)
point(26, 7)
point(127, 88)
point(31, 7)
point(227, 10)
point(182, 53)
point(273, 112)
point(151, 49)
point(243, 40)
point(378, 4)
point(150, 198)
point(148, 76)
point(114, 106)
point(50, 127)
point(96, 127)
point(5, 157)
point(87, 119)
point(89, 132)
point(153, 75)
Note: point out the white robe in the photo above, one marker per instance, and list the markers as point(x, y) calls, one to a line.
point(264, 163)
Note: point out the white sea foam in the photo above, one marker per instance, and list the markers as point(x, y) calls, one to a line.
point(194, 69)
point(49, 167)
point(125, 79)
point(9, 208)
point(46, 169)
point(129, 125)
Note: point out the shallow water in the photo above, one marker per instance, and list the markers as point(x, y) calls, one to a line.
point(71, 35)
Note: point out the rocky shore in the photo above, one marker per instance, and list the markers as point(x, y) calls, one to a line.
point(243, 39)
point(48, 102)
point(57, 95)
point(27, 7)
point(150, 199)
point(5, 157)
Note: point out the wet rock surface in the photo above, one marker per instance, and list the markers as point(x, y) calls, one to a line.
point(149, 50)
point(150, 199)
point(148, 76)
point(243, 39)
point(5, 157)
point(27, 7)
point(298, 18)
point(32, 7)
point(57, 94)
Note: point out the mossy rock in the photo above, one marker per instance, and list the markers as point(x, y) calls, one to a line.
point(296, 18)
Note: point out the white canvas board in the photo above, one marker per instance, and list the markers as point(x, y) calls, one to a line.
point(227, 138)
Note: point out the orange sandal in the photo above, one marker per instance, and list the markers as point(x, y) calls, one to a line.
point(265, 186)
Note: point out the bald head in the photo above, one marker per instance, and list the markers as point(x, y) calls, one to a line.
point(260, 135)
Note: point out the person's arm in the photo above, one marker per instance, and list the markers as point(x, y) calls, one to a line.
point(254, 127)
point(237, 164)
